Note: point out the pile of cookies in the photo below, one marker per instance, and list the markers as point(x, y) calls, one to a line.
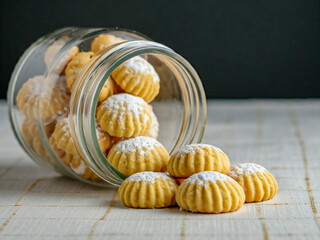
point(199, 179)
point(122, 114)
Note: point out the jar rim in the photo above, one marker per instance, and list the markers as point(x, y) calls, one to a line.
point(88, 90)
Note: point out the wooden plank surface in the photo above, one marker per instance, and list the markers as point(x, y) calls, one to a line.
point(283, 136)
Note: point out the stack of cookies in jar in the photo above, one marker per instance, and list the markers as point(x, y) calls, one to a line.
point(123, 111)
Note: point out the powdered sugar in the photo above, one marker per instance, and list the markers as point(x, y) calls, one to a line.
point(194, 148)
point(138, 144)
point(245, 169)
point(148, 177)
point(139, 65)
point(206, 176)
point(123, 102)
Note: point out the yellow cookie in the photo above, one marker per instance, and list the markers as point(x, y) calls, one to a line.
point(148, 190)
point(139, 154)
point(31, 134)
point(153, 131)
point(64, 140)
point(49, 94)
point(74, 162)
point(124, 115)
point(257, 182)
point(138, 77)
point(63, 60)
point(210, 192)
point(103, 41)
point(196, 158)
point(75, 66)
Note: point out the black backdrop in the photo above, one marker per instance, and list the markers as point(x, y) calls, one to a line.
point(239, 48)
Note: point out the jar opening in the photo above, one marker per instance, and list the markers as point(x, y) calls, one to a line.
point(180, 105)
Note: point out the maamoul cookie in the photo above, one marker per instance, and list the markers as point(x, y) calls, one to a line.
point(31, 134)
point(257, 182)
point(49, 94)
point(124, 115)
point(75, 66)
point(64, 140)
point(103, 41)
point(210, 192)
point(138, 77)
point(196, 158)
point(64, 58)
point(138, 154)
point(148, 190)
point(153, 131)
point(74, 162)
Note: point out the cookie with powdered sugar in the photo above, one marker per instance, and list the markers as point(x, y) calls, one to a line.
point(148, 190)
point(124, 115)
point(43, 97)
point(210, 192)
point(138, 77)
point(64, 140)
point(257, 182)
point(139, 154)
point(31, 134)
point(195, 158)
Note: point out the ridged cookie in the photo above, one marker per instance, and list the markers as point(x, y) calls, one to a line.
point(64, 140)
point(50, 95)
point(138, 77)
point(195, 158)
point(148, 190)
point(257, 182)
point(210, 192)
point(138, 154)
point(75, 66)
point(124, 115)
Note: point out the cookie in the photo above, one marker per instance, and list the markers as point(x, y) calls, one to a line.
point(75, 66)
point(257, 182)
point(138, 154)
point(124, 115)
point(210, 192)
point(195, 158)
point(47, 98)
point(138, 77)
point(64, 140)
point(148, 190)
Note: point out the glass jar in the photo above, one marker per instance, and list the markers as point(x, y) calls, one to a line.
point(180, 105)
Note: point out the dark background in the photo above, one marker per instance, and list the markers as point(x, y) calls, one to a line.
point(240, 49)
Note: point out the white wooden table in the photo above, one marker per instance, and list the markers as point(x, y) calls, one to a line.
point(283, 136)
